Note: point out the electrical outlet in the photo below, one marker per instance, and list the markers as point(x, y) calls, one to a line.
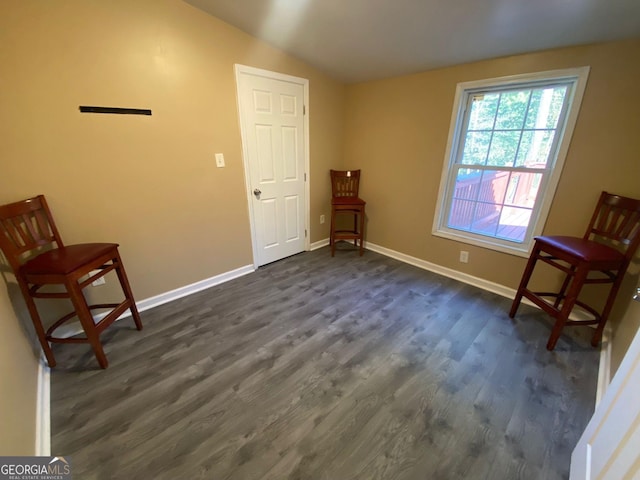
point(321, 218)
point(99, 281)
point(464, 256)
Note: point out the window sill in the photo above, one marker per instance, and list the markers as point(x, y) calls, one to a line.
point(519, 250)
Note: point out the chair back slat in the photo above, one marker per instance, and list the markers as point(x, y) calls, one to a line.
point(631, 222)
point(25, 227)
point(616, 221)
point(32, 232)
point(345, 183)
point(41, 227)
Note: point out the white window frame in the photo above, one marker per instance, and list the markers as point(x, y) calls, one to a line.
point(578, 79)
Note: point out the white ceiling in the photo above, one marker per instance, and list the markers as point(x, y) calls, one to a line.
point(359, 40)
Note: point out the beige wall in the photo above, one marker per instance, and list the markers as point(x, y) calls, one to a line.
point(148, 183)
point(18, 376)
point(396, 131)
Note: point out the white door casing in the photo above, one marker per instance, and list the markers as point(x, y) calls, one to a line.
point(609, 448)
point(275, 139)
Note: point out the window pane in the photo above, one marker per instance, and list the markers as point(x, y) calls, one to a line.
point(512, 110)
point(485, 219)
point(534, 108)
point(494, 186)
point(513, 223)
point(503, 158)
point(523, 189)
point(461, 214)
point(467, 183)
point(534, 148)
point(546, 105)
point(483, 111)
point(476, 147)
point(503, 149)
point(556, 106)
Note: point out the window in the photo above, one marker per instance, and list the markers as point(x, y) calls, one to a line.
point(507, 144)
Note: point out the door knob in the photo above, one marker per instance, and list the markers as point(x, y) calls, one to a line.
point(257, 192)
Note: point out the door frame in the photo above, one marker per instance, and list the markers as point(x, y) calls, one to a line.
point(608, 447)
point(259, 72)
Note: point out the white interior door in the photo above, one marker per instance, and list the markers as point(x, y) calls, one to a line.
point(609, 448)
point(275, 145)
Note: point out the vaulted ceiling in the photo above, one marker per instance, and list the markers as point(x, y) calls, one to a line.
point(359, 40)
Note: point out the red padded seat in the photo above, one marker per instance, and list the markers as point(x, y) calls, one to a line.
point(601, 256)
point(64, 260)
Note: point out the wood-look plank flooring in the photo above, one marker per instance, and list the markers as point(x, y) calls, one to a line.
point(327, 368)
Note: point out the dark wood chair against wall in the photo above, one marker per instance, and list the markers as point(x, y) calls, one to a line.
point(601, 256)
point(345, 186)
point(33, 248)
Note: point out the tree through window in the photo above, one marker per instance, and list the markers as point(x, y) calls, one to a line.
point(505, 150)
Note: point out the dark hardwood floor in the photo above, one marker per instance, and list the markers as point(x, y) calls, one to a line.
point(327, 368)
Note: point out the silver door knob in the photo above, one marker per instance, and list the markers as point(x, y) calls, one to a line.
point(257, 192)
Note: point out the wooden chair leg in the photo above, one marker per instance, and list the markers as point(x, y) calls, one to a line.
point(37, 325)
point(526, 275)
point(567, 306)
point(86, 320)
point(563, 288)
point(331, 226)
point(126, 288)
point(361, 231)
point(332, 240)
point(355, 227)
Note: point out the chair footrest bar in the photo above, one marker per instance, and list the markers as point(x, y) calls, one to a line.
point(538, 299)
point(113, 315)
point(64, 319)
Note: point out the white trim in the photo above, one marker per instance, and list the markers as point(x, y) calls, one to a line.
point(319, 244)
point(579, 77)
point(447, 272)
point(187, 290)
point(157, 300)
point(604, 369)
point(43, 410)
point(493, 287)
point(519, 250)
point(608, 447)
point(244, 69)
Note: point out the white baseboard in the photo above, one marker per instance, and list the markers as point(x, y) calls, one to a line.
point(319, 244)
point(187, 290)
point(493, 287)
point(43, 410)
point(73, 329)
point(447, 272)
point(604, 368)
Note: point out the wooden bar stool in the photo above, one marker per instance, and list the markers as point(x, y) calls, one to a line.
point(32, 245)
point(602, 256)
point(345, 185)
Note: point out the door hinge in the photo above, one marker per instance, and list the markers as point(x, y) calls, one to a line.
point(305, 176)
point(304, 109)
point(305, 233)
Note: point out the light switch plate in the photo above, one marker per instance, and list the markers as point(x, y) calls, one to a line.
point(219, 160)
